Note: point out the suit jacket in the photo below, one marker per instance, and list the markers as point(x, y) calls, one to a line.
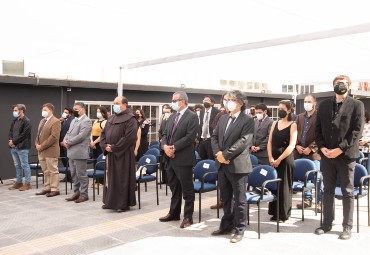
point(214, 112)
point(261, 136)
point(78, 136)
point(342, 130)
point(65, 126)
point(183, 138)
point(49, 137)
point(310, 136)
point(235, 143)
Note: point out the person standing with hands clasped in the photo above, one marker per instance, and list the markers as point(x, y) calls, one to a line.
point(282, 140)
point(339, 125)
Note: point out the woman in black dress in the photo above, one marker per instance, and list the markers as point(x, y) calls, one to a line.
point(282, 140)
point(144, 125)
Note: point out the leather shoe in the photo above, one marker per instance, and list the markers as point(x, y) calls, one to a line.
point(73, 198)
point(215, 206)
point(43, 192)
point(169, 217)
point(104, 207)
point(53, 193)
point(220, 232)
point(346, 234)
point(236, 238)
point(123, 210)
point(322, 230)
point(81, 199)
point(187, 222)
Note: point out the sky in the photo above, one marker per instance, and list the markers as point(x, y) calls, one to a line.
point(90, 39)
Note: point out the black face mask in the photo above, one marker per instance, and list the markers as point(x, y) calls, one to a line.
point(340, 88)
point(207, 105)
point(253, 112)
point(75, 113)
point(282, 114)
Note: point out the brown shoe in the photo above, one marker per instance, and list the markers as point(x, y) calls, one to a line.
point(187, 222)
point(306, 203)
point(73, 198)
point(81, 199)
point(25, 187)
point(53, 194)
point(43, 192)
point(220, 205)
point(16, 185)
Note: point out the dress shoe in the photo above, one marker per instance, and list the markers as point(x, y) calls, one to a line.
point(169, 217)
point(123, 210)
point(187, 222)
point(346, 234)
point(273, 218)
point(53, 194)
point(322, 230)
point(220, 205)
point(16, 185)
point(81, 199)
point(220, 232)
point(104, 207)
point(43, 192)
point(306, 204)
point(73, 198)
point(25, 187)
point(236, 238)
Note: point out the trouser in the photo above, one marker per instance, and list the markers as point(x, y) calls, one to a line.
point(20, 158)
point(49, 167)
point(205, 149)
point(308, 193)
point(332, 169)
point(79, 176)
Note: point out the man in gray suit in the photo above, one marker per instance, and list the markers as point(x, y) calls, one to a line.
point(77, 142)
point(261, 134)
point(231, 141)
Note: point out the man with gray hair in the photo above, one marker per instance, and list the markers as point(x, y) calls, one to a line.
point(19, 141)
point(77, 142)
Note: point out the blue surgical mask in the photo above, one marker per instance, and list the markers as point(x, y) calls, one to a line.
point(117, 108)
point(15, 114)
point(99, 115)
point(175, 106)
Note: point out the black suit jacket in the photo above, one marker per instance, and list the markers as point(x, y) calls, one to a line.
point(183, 138)
point(343, 130)
point(235, 143)
point(65, 126)
point(214, 112)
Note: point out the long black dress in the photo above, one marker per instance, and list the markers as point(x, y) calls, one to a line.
point(285, 171)
point(144, 144)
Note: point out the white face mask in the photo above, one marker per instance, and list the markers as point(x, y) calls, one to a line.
point(308, 106)
point(99, 115)
point(175, 106)
point(64, 115)
point(231, 106)
point(259, 116)
point(44, 114)
point(166, 115)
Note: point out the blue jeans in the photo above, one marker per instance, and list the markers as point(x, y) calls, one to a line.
point(20, 158)
point(308, 193)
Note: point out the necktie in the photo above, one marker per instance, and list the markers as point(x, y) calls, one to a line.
point(205, 126)
point(231, 120)
point(40, 130)
point(174, 126)
point(259, 123)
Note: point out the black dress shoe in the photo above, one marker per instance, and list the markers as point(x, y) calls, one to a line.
point(220, 232)
point(53, 194)
point(43, 192)
point(236, 238)
point(187, 222)
point(169, 217)
point(273, 218)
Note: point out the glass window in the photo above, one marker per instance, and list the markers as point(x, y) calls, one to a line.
point(290, 88)
point(284, 88)
point(93, 108)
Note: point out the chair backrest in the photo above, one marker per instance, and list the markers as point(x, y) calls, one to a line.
point(360, 171)
point(100, 165)
point(154, 143)
point(303, 165)
point(156, 146)
point(148, 159)
point(197, 157)
point(362, 155)
point(203, 167)
point(153, 151)
point(254, 160)
point(262, 173)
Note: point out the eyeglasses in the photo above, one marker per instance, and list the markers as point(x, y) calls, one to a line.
point(174, 101)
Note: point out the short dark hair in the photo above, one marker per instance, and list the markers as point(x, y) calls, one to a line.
point(103, 112)
point(49, 106)
point(342, 77)
point(288, 105)
point(69, 110)
point(167, 106)
point(21, 107)
point(262, 107)
point(211, 98)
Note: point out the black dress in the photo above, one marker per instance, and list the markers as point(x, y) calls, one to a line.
point(144, 144)
point(285, 171)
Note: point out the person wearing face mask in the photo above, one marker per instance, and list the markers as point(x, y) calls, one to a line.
point(231, 141)
point(144, 125)
point(262, 129)
point(47, 146)
point(252, 111)
point(339, 125)
point(66, 119)
point(206, 117)
point(77, 142)
point(282, 140)
point(306, 146)
point(19, 141)
point(167, 111)
point(118, 140)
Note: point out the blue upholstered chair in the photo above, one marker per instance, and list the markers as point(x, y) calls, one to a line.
point(97, 172)
point(64, 170)
point(35, 166)
point(262, 177)
point(254, 160)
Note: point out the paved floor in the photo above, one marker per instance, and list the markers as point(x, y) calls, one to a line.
point(32, 224)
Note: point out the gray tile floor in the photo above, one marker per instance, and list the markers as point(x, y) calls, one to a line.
point(32, 224)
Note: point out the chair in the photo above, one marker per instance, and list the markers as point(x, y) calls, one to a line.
point(363, 161)
point(254, 160)
point(154, 144)
point(65, 170)
point(98, 171)
point(35, 166)
point(305, 176)
point(262, 177)
point(157, 153)
point(147, 164)
point(360, 180)
point(205, 175)
point(197, 157)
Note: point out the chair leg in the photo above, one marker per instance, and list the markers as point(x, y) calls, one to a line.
point(146, 187)
point(247, 213)
point(1, 181)
point(200, 205)
point(37, 179)
point(218, 199)
point(66, 183)
point(302, 205)
point(358, 214)
point(156, 186)
point(138, 194)
point(368, 208)
point(259, 221)
point(322, 198)
point(166, 187)
point(93, 189)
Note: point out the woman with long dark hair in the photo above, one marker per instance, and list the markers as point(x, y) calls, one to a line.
point(144, 125)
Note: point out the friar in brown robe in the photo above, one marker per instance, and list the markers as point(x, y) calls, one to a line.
point(118, 141)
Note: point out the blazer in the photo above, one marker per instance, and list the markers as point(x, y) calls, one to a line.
point(183, 138)
point(49, 137)
point(342, 130)
point(235, 143)
point(78, 136)
point(65, 127)
point(310, 136)
point(214, 112)
point(261, 136)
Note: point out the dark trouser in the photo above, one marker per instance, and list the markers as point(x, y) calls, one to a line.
point(180, 180)
point(332, 170)
point(205, 149)
point(233, 184)
point(63, 154)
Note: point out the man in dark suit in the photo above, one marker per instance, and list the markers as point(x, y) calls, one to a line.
point(206, 117)
point(65, 120)
point(178, 145)
point(339, 125)
point(261, 134)
point(231, 141)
